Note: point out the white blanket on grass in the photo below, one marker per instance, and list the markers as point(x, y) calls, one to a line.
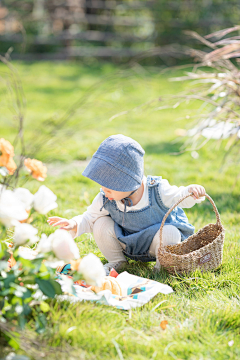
point(136, 291)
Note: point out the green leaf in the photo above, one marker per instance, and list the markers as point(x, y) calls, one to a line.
point(41, 323)
point(15, 254)
point(10, 278)
point(14, 344)
point(27, 294)
point(28, 279)
point(26, 309)
point(37, 263)
point(46, 287)
point(57, 286)
point(22, 321)
point(5, 292)
point(43, 271)
point(76, 277)
point(26, 263)
point(15, 300)
point(44, 306)
point(3, 249)
point(45, 275)
point(2, 304)
point(43, 268)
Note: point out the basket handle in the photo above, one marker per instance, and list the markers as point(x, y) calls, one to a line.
point(178, 202)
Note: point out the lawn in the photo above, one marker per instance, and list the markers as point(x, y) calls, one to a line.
point(203, 313)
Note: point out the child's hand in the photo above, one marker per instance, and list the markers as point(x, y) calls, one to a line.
point(64, 223)
point(197, 190)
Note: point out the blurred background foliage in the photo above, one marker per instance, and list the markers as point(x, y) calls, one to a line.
point(57, 29)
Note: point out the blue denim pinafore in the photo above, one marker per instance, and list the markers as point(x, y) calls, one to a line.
point(140, 226)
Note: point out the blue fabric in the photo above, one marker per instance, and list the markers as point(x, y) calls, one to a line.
point(126, 202)
point(140, 226)
point(117, 164)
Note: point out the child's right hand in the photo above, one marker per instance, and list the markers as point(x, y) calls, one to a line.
point(64, 223)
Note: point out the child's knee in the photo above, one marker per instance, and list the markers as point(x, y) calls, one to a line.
point(103, 226)
point(171, 235)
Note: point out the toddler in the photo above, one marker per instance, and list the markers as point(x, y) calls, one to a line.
point(126, 215)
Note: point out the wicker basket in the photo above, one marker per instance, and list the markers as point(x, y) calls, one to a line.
point(203, 250)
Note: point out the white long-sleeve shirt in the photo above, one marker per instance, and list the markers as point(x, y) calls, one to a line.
point(169, 195)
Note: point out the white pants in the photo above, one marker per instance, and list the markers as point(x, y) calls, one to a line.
point(111, 247)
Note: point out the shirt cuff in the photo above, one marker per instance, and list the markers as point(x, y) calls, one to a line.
point(78, 221)
point(190, 201)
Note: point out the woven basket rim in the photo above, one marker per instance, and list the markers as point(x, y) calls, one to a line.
point(185, 256)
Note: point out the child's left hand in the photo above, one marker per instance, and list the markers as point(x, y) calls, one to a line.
point(197, 190)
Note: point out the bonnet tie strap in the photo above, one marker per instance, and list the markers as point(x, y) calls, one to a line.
point(126, 201)
point(104, 204)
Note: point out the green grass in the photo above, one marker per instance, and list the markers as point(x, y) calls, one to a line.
point(203, 312)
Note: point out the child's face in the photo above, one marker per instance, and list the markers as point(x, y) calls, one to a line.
point(115, 195)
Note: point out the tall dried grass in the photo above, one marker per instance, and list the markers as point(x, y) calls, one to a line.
point(215, 81)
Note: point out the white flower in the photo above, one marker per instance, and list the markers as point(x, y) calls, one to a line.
point(25, 197)
point(44, 245)
point(44, 200)
point(54, 264)
point(24, 232)
point(4, 171)
point(27, 253)
point(39, 295)
point(66, 284)
point(11, 208)
point(222, 94)
point(92, 270)
point(11, 356)
point(63, 245)
point(19, 309)
point(195, 154)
